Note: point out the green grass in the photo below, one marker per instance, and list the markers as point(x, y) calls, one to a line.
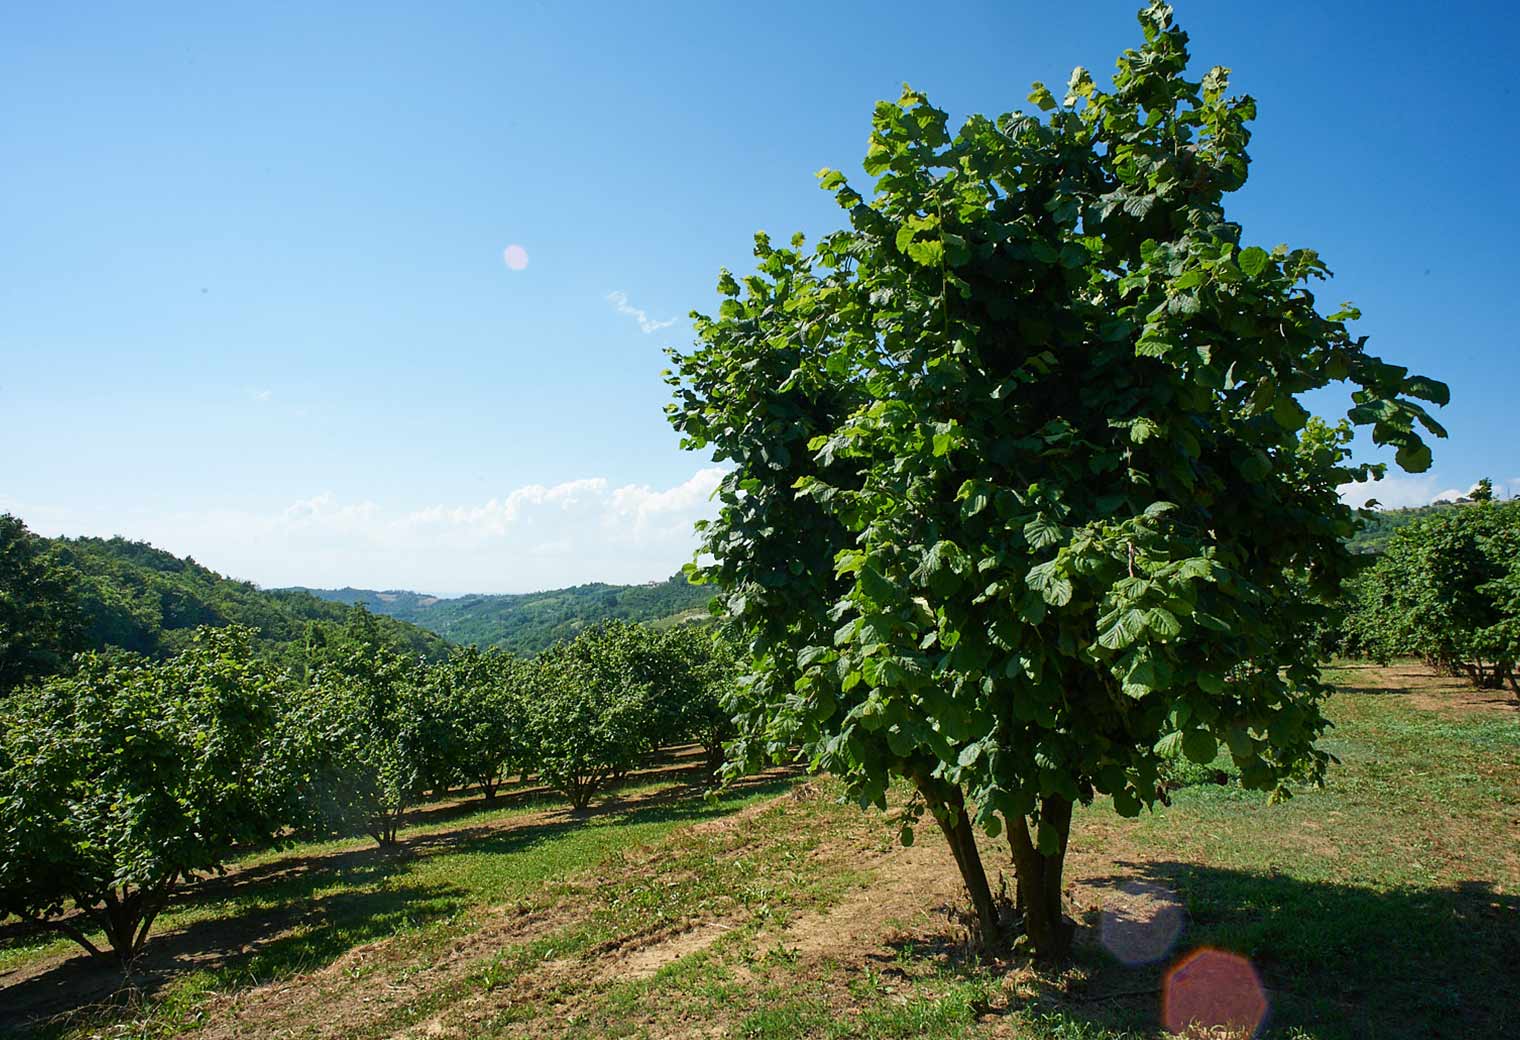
point(303, 907)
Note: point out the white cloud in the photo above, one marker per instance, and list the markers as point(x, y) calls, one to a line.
point(258, 396)
point(1401, 490)
point(534, 537)
point(619, 299)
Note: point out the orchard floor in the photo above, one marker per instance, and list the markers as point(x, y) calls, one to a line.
point(1385, 905)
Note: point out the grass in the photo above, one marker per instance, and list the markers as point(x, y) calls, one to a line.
point(1384, 905)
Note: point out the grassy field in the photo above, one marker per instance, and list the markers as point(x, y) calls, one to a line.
point(1385, 905)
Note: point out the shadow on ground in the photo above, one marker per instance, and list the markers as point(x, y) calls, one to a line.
point(272, 920)
point(1335, 960)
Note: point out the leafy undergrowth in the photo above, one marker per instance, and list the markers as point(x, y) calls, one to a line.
point(1384, 905)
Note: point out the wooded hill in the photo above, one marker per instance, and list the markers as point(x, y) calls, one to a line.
point(529, 622)
point(132, 596)
point(1379, 527)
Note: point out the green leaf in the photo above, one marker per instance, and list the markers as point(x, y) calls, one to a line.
point(1413, 458)
point(1042, 97)
point(1042, 532)
point(1162, 622)
point(1125, 629)
point(1254, 260)
point(929, 252)
point(1200, 746)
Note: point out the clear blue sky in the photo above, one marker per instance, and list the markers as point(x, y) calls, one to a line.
point(253, 301)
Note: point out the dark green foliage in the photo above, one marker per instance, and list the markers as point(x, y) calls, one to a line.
point(476, 728)
point(1447, 589)
point(593, 711)
point(1024, 500)
point(41, 625)
point(121, 780)
point(1378, 525)
point(707, 715)
point(363, 743)
point(149, 601)
point(534, 621)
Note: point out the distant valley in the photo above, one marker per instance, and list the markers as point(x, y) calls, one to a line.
point(528, 622)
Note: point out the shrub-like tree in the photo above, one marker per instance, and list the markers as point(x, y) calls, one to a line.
point(590, 712)
point(121, 781)
point(476, 717)
point(708, 711)
point(1446, 589)
point(1017, 505)
point(361, 741)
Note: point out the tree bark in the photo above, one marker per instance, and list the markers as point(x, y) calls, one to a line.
point(949, 807)
point(1039, 881)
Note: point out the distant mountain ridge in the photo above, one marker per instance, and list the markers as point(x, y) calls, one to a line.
point(528, 622)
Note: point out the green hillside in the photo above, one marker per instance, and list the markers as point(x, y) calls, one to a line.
point(136, 597)
point(1377, 528)
point(529, 622)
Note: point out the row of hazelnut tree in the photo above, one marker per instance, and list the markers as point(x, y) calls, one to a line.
point(125, 778)
point(1446, 589)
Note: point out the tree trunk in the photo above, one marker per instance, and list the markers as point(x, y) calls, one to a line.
point(949, 807)
point(1039, 881)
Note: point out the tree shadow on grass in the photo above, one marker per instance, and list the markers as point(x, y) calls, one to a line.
point(248, 948)
point(1336, 960)
point(273, 919)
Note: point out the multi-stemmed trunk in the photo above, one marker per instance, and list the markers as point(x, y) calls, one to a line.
point(1039, 880)
point(385, 824)
point(1039, 876)
point(125, 915)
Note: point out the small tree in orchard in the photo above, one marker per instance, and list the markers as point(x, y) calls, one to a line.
point(1018, 507)
point(707, 714)
point(480, 705)
point(361, 743)
point(1446, 589)
point(121, 781)
point(590, 712)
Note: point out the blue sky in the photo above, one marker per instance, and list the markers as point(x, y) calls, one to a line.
point(254, 305)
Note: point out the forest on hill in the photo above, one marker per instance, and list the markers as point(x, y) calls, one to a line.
point(1378, 525)
point(529, 622)
point(76, 594)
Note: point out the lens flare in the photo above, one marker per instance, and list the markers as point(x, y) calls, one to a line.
point(1140, 922)
point(1210, 991)
point(515, 256)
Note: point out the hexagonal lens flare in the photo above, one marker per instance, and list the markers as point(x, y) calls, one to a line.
point(1140, 922)
point(1213, 992)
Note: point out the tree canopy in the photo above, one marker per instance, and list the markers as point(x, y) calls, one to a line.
point(1446, 589)
point(121, 780)
point(41, 624)
point(1020, 501)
